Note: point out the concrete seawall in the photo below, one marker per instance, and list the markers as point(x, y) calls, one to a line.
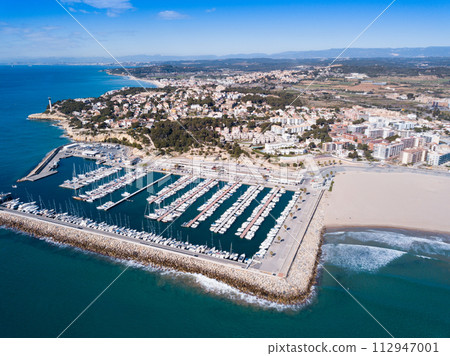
point(43, 169)
point(291, 290)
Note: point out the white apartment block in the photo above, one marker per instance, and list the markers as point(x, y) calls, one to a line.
point(387, 150)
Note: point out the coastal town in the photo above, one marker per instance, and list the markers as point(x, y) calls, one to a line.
point(236, 115)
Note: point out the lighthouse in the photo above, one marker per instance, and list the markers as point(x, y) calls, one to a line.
point(50, 104)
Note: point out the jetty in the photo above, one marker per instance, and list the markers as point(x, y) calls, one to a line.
point(136, 192)
point(47, 166)
point(112, 242)
point(210, 205)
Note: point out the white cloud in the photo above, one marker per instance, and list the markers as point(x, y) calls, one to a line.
point(113, 7)
point(171, 15)
point(49, 28)
point(210, 10)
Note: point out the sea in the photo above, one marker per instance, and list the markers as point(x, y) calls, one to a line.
point(401, 277)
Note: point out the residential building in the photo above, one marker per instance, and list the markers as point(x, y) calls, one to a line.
point(413, 155)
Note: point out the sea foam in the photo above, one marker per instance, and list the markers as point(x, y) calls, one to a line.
point(359, 257)
point(407, 242)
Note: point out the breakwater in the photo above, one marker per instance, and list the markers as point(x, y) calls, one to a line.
point(46, 166)
point(291, 290)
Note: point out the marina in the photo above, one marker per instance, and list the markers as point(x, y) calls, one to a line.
point(227, 219)
point(249, 228)
point(179, 206)
point(123, 203)
point(109, 204)
point(128, 214)
point(84, 179)
point(110, 187)
point(32, 208)
point(171, 189)
point(212, 204)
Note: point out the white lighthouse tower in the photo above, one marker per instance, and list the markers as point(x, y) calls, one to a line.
point(50, 104)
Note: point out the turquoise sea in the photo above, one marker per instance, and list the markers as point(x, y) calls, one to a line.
point(401, 277)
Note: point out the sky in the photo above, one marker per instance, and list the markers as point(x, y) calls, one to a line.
point(34, 29)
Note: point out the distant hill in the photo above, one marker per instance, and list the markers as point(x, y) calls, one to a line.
point(417, 52)
point(369, 53)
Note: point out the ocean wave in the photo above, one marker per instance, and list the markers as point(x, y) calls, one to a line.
point(407, 242)
point(359, 257)
point(221, 289)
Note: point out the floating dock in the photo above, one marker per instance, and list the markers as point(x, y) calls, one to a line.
point(227, 219)
point(137, 192)
point(189, 224)
point(83, 180)
point(177, 207)
point(261, 210)
point(176, 186)
point(111, 186)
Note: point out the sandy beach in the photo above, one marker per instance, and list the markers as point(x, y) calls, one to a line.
point(396, 200)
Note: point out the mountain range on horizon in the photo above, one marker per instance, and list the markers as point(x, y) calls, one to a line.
point(405, 52)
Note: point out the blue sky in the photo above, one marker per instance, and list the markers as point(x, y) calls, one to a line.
point(129, 27)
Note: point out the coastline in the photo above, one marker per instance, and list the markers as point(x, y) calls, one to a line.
point(395, 228)
point(295, 289)
point(156, 83)
point(61, 121)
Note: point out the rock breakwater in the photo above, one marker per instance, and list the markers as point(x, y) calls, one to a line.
point(291, 290)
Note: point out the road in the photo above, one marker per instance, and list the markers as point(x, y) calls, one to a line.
point(284, 252)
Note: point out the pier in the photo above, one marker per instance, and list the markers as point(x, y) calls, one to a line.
point(47, 166)
point(189, 224)
point(176, 186)
point(227, 219)
point(137, 191)
point(190, 195)
point(261, 210)
point(83, 180)
point(111, 186)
